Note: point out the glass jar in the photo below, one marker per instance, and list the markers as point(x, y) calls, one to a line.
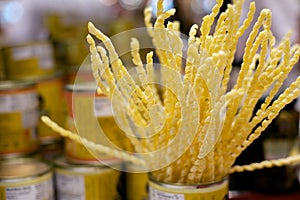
point(217, 190)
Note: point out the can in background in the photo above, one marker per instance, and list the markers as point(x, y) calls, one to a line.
point(18, 118)
point(51, 103)
point(26, 178)
point(83, 102)
point(136, 184)
point(85, 181)
point(29, 59)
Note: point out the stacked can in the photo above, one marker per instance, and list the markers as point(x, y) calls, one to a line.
point(90, 112)
point(136, 183)
point(26, 178)
point(28, 59)
point(18, 118)
point(29, 87)
point(78, 173)
point(35, 62)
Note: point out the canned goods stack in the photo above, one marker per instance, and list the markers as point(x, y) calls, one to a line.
point(37, 163)
point(89, 111)
point(29, 87)
point(32, 62)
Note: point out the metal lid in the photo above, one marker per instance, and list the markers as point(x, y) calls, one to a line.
point(16, 84)
point(63, 164)
point(19, 168)
point(81, 87)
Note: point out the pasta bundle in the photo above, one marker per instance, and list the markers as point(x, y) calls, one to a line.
point(200, 124)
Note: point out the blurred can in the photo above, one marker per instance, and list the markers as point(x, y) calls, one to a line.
point(87, 182)
point(29, 59)
point(92, 111)
point(26, 178)
point(136, 183)
point(18, 118)
point(51, 103)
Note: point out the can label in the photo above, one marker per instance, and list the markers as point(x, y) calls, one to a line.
point(73, 185)
point(18, 121)
point(29, 60)
point(159, 195)
point(213, 192)
point(36, 189)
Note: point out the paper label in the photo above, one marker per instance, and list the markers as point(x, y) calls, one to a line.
point(22, 53)
point(70, 187)
point(18, 102)
point(45, 55)
point(102, 107)
point(42, 52)
point(39, 191)
point(160, 195)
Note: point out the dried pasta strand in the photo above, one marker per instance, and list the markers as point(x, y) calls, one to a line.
point(266, 164)
point(285, 98)
point(89, 144)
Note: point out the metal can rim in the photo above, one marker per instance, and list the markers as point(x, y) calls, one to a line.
point(188, 186)
point(81, 87)
point(42, 167)
point(62, 163)
point(8, 85)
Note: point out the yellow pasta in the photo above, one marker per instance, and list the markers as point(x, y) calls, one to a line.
point(200, 124)
point(224, 120)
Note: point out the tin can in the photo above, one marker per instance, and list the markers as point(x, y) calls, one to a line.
point(51, 103)
point(217, 190)
point(87, 111)
point(85, 181)
point(29, 59)
point(136, 184)
point(18, 118)
point(26, 179)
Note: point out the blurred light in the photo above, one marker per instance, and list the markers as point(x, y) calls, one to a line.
point(208, 5)
point(197, 6)
point(202, 6)
point(168, 4)
point(108, 2)
point(12, 12)
point(131, 4)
